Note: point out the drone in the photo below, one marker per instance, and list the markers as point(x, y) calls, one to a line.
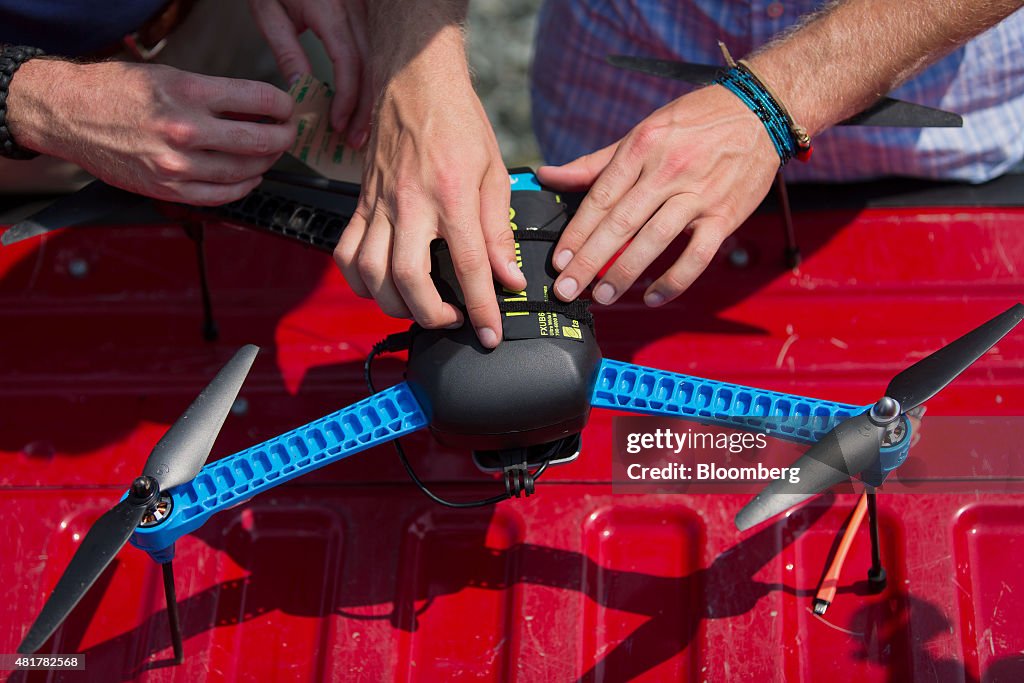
point(519, 408)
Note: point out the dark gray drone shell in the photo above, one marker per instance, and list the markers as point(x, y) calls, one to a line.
point(523, 393)
point(527, 391)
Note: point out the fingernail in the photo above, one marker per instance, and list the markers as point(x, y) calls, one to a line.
point(562, 259)
point(566, 288)
point(654, 298)
point(455, 325)
point(487, 337)
point(293, 80)
point(514, 270)
point(358, 140)
point(604, 293)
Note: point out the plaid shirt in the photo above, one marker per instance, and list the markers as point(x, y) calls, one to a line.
point(580, 103)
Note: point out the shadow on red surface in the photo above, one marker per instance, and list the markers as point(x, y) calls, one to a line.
point(674, 606)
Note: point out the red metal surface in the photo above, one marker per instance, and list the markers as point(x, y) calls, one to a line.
point(351, 574)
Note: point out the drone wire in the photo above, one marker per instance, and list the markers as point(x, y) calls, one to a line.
point(827, 588)
point(399, 342)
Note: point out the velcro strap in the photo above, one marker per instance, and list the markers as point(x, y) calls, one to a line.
point(538, 235)
point(578, 309)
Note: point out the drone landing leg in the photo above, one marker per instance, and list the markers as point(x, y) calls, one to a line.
point(197, 233)
point(172, 612)
point(876, 575)
point(792, 253)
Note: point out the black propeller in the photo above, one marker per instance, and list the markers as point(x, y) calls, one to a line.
point(886, 112)
point(854, 444)
point(95, 203)
point(175, 460)
point(100, 204)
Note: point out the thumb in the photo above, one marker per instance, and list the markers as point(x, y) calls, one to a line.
point(579, 174)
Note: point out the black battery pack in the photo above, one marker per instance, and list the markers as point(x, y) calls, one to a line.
point(535, 387)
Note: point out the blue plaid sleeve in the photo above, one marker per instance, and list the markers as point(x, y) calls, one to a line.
point(580, 103)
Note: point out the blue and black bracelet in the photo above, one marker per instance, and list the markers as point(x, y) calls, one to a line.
point(790, 140)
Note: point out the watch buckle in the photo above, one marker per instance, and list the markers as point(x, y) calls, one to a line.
point(141, 52)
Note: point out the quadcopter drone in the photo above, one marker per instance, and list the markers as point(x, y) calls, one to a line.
point(519, 408)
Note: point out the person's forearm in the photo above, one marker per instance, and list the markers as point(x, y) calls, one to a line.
point(850, 54)
point(425, 38)
point(433, 170)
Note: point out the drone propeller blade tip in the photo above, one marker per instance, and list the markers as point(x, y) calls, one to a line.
point(95, 553)
point(930, 375)
point(185, 447)
point(848, 449)
point(249, 352)
point(19, 232)
point(744, 520)
point(695, 74)
point(767, 505)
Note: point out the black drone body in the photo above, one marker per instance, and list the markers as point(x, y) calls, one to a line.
point(535, 388)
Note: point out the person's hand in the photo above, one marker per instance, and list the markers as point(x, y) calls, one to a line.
point(151, 129)
point(700, 164)
point(433, 170)
point(341, 26)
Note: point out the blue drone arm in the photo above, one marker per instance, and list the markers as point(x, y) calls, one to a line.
point(637, 389)
point(234, 479)
point(394, 412)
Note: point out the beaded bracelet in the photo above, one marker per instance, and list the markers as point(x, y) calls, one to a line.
point(790, 140)
point(11, 58)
